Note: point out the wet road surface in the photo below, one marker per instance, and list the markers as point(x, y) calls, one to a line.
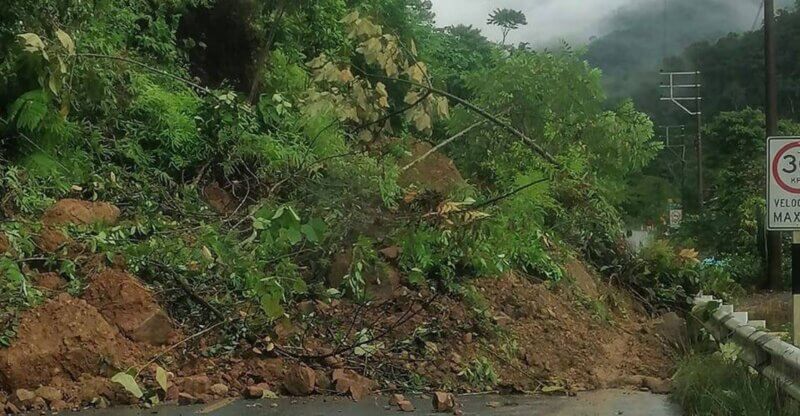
point(597, 403)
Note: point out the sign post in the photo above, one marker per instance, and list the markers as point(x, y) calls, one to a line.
point(783, 207)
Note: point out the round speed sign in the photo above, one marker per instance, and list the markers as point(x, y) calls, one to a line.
point(783, 184)
point(786, 167)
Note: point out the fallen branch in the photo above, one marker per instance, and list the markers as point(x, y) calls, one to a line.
point(507, 195)
point(191, 83)
point(407, 316)
point(442, 144)
point(181, 342)
point(530, 142)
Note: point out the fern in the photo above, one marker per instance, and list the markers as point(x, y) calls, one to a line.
point(29, 110)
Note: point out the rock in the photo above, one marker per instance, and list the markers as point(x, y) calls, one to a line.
point(219, 199)
point(443, 402)
point(38, 403)
point(12, 409)
point(307, 307)
point(185, 399)
point(391, 253)
point(395, 399)
point(93, 388)
point(657, 385)
point(256, 391)
point(323, 381)
point(59, 406)
point(49, 394)
point(340, 267)
point(172, 393)
point(300, 381)
point(348, 382)
point(220, 389)
point(24, 397)
point(77, 212)
point(406, 406)
point(195, 385)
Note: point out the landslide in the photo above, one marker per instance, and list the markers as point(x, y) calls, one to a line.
point(515, 332)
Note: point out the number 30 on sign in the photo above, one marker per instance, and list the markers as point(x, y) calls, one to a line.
point(783, 183)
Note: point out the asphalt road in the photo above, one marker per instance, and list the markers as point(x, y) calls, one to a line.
point(597, 403)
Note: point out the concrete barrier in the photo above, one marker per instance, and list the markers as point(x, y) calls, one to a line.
point(775, 359)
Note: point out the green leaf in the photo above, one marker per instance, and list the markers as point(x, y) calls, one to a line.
point(293, 235)
point(29, 109)
point(271, 305)
point(310, 233)
point(32, 42)
point(66, 41)
point(161, 378)
point(129, 383)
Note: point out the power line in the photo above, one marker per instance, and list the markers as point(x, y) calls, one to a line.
point(758, 14)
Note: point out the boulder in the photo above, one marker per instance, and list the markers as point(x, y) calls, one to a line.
point(443, 402)
point(300, 380)
point(126, 303)
point(49, 394)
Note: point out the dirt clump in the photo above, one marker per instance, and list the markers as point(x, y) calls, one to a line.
point(5, 245)
point(130, 306)
point(436, 172)
point(64, 338)
point(50, 240)
point(50, 281)
point(77, 212)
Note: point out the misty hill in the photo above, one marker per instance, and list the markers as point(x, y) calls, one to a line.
point(642, 34)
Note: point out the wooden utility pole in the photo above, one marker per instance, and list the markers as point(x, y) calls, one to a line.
point(774, 249)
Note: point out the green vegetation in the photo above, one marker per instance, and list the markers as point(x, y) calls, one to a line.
point(248, 145)
point(719, 385)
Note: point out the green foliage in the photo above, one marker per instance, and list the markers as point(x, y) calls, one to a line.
point(715, 384)
point(481, 374)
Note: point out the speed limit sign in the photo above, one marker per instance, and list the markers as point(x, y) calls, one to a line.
point(783, 183)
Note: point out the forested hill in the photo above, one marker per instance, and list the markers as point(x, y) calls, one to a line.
point(641, 34)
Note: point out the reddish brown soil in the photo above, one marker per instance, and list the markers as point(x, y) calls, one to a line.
point(74, 211)
point(578, 334)
point(126, 303)
point(219, 199)
point(63, 339)
point(437, 172)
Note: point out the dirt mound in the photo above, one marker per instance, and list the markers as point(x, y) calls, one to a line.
point(437, 172)
point(572, 340)
point(130, 306)
point(62, 339)
point(74, 211)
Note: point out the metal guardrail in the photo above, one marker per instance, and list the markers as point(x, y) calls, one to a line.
point(775, 359)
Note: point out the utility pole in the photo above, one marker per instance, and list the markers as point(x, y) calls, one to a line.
point(670, 145)
point(774, 249)
point(679, 93)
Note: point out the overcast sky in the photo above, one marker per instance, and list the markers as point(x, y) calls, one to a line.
point(548, 20)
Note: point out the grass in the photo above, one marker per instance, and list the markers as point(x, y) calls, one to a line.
point(716, 385)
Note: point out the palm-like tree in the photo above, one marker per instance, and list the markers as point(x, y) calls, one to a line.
point(507, 20)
